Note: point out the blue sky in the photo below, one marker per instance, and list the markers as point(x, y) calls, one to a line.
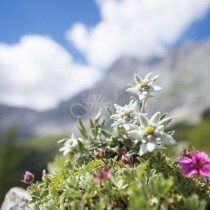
point(52, 49)
point(45, 17)
point(198, 31)
point(51, 17)
point(54, 17)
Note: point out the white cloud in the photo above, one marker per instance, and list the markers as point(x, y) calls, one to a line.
point(39, 73)
point(140, 28)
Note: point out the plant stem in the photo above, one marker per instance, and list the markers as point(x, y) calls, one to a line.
point(143, 105)
point(104, 161)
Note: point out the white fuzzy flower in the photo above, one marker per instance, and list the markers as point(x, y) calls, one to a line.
point(151, 133)
point(153, 201)
point(145, 86)
point(127, 114)
point(69, 144)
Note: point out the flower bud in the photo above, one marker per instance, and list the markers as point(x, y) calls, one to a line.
point(188, 152)
point(126, 159)
point(99, 153)
point(123, 150)
point(103, 174)
point(28, 177)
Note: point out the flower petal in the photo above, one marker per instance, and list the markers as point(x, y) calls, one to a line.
point(66, 152)
point(115, 117)
point(143, 149)
point(167, 139)
point(155, 118)
point(205, 170)
point(187, 166)
point(137, 78)
point(116, 123)
point(151, 146)
point(148, 77)
point(200, 156)
point(165, 121)
point(61, 141)
point(141, 97)
point(61, 149)
point(144, 93)
point(136, 106)
point(132, 90)
point(136, 134)
point(154, 78)
point(129, 85)
point(156, 88)
point(185, 160)
point(160, 128)
point(117, 107)
point(187, 170)
point(143, 120)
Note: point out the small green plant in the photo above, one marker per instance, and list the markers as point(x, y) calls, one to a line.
point(125, 168)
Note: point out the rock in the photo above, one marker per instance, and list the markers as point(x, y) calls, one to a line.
point(16, 199)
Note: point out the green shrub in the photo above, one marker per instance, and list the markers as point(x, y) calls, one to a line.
point(125, 168)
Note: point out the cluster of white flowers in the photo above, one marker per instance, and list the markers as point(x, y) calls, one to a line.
point(148, 133)
point(69, 144)
point(127, 115)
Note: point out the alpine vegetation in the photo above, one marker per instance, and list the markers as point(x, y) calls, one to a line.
point(124, 167)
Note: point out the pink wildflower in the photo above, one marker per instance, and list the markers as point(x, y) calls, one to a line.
point(102, 174)
point(28, 177)
point(126, 159)
point(99, 153)
point(197, 162)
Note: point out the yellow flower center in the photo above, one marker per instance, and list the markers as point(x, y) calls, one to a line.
point(149, 130)
point(143, 83)
point(125, 113)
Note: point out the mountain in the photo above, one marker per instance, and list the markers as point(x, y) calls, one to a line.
point(184, 77)
point(21, 118)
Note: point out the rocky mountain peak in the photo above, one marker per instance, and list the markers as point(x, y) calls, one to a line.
point(184, 76)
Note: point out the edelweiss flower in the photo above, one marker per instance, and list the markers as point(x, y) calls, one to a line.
point(69, 144)
point(127, 114)
point(151, 133)
point(144, 86)
point(198, 162)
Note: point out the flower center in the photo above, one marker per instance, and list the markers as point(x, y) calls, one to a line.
point(143, 83)
point(149, 130)
point(199, 164)
point(126, 113)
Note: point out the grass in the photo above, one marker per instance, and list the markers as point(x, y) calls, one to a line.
point(18, 156)
point(198, 135)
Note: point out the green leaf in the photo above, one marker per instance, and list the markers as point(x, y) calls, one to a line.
point(92, 125)
point(82, 127)
point(194, 203)
point(84, 133)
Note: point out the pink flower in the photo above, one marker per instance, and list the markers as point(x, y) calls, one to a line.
point(197, 162)
point(126, 159)
point(99, 153)
point(102, 174)
point(28, 177)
